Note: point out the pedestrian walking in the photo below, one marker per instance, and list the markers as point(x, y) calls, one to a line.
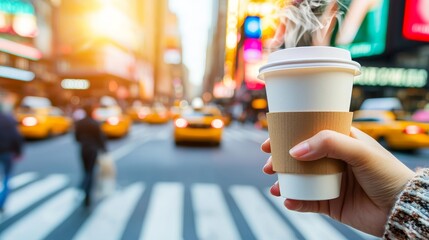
point(92, 140)
point(379, 194)
point(11, 143)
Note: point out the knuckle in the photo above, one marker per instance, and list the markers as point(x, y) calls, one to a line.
point(326, 138)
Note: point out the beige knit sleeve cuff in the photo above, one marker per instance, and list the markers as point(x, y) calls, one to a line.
point(410, 215)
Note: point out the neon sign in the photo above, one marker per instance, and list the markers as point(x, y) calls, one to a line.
point(19, 49)
point(16, 7)
point(394, 77)
point(368, 36)
point(16, 74)
point(79, 84)
point(18, 17)
point(416, 20)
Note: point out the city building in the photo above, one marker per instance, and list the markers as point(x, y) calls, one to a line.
point(126, 49)
point(26, 47)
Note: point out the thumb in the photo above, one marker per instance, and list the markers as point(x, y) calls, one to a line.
point(331, 144)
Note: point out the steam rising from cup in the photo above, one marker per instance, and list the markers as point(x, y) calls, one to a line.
point(307, 23)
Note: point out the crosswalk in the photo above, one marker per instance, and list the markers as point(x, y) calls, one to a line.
point(110, 218)
point(38, 205)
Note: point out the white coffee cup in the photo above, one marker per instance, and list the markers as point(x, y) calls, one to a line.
point(322, 79)
point(309, 79)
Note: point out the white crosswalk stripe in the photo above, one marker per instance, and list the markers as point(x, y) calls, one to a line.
point(212, 217)
point(165, 212)
point(312, 226)
point(40, 222)
point(32, 193)
point(260, 216)
point(320, 228)
point(212, 214)
point(22, 179)
point(109, 219)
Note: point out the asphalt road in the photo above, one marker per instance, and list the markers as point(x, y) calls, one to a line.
point(163, 192)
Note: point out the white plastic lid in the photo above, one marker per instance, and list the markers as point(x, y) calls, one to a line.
point(309, 57)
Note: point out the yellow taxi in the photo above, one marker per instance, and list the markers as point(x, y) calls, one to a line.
point(203, 125)
point(42, 122)
point(114, 124)
point(138, 113)
point(395, 134)
point(158, 115)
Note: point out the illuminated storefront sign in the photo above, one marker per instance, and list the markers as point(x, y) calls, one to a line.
point(251, 71)
point(220, 90)
point(364, 37)
point(252, 27)
point(252, 50)
point(19, 49)
point(394, 77)
point(252, 42)
point(79, 84)
point(416, 20)
point(16, 7)
point(16, 74)
point(18, 17)
point(18, 27)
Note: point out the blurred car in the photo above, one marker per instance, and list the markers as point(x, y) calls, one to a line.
point(158, 115)
point(394, 134)
point(205, 125)
point(219, 110)
point(391, 104)
point(388, 104)
point(114, 123)
point(38, 119)
point(138, 113)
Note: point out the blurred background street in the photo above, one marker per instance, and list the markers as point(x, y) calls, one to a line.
point(173, 85)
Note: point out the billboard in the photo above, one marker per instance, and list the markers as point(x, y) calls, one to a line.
point(363, 28)
point(416, 20)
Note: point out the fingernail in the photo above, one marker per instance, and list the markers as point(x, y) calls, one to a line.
point(263, 168)
point(300, 149)
point(274, 185)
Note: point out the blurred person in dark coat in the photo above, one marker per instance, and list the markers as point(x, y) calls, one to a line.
point(92, 140)
point(11, 143)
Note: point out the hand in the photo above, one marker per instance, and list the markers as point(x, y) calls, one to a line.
point(370, 185)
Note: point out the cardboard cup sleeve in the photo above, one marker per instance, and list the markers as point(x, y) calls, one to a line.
point(286, 129)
